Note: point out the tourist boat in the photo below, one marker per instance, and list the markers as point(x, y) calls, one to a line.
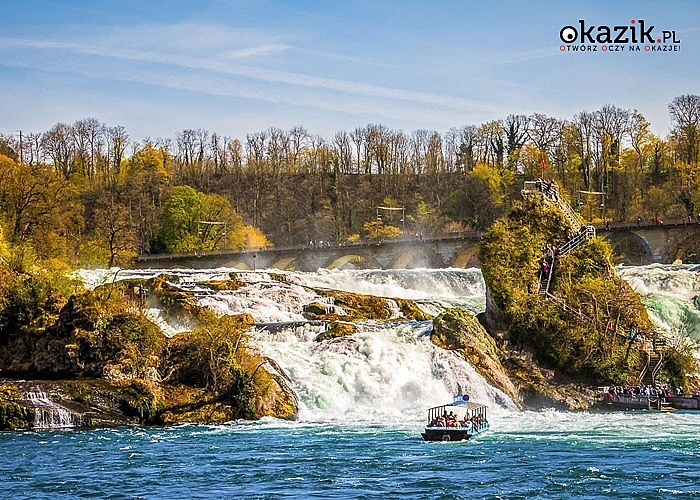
point(456, 421)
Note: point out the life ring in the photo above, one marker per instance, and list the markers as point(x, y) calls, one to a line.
point(446, 437)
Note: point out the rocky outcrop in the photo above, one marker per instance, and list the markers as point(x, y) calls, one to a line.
point(347, 306)
point(459, 330)
point(97, 361)
point(582, 333)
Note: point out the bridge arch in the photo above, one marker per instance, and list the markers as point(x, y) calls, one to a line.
point(285, 264)
point(467, 257)
point(240, 265)
point(416, 257)
point(348, 262)
point(687, 248)
point(630, 247)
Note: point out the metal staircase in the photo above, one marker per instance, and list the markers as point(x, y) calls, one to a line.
point(584, 234)
point(551, 194)
point(651, 369)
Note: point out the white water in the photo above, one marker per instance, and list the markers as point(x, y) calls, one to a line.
point(385, 371)
point(671, 294)
point(392, 370)
point(47, 413)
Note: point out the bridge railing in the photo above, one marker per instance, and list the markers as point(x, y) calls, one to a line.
point(457, 236)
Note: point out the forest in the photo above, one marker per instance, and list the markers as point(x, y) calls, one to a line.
point(88, 194)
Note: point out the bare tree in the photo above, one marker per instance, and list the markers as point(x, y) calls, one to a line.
point(343, 150)
point(59, 145)
point(359, 138)
point(610, 124)
point(582, 134)
point(298, 138)
point(685, 113)
point(117, 142)
point(466, 155)
point(515, 129)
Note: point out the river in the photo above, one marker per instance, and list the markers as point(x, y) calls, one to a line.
point(363, 401)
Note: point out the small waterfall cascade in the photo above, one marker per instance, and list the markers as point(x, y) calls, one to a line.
point(47, 413)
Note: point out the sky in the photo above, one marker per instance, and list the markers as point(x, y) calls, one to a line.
point(243, 66)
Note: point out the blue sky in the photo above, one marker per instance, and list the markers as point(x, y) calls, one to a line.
point(237, 67)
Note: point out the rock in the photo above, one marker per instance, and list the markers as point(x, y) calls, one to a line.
point(110, 365)
point(336, 329)
point(551, 348)
point(459, 330)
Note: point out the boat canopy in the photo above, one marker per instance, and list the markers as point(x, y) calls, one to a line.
point(460, 406)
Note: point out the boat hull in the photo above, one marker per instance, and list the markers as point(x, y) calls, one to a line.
point(450, 433)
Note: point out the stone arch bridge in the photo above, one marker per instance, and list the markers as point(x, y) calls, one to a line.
point(635, 245)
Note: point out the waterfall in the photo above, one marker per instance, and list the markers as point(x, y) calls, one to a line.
point(392, 370)
point(47, 413)
point(384, 371)
point(671, 294)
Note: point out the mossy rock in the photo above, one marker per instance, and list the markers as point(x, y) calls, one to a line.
point(359, 307)
point(315, 311)
point(337, 329)
point(459, 330)
point(410, 310)
point(273, 395)
point(14, 415)
point(282, 278)
point(110, 365)
point(233, 283)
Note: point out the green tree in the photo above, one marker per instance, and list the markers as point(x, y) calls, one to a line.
point(192, 221)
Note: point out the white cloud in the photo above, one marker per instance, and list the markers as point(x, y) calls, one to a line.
point(219, 50)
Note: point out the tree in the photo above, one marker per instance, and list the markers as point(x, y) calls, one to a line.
point(484, 195)
point(193, 221)
point(59, 144)
point(515, 129)
point(685, 113)
point(376, 230)
point(115, 230)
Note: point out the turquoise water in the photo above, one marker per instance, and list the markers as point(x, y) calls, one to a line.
point(525, 455)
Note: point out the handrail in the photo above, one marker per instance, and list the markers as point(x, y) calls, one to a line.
point(576, 240)
point(551, 192)
point(567, 308)
point(645, 369)
point(657, 368)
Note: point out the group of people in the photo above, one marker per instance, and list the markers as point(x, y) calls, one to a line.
point(551, 190)
point(320, 244)
point(451, 420)
point(644, 391)
point(548, 260)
